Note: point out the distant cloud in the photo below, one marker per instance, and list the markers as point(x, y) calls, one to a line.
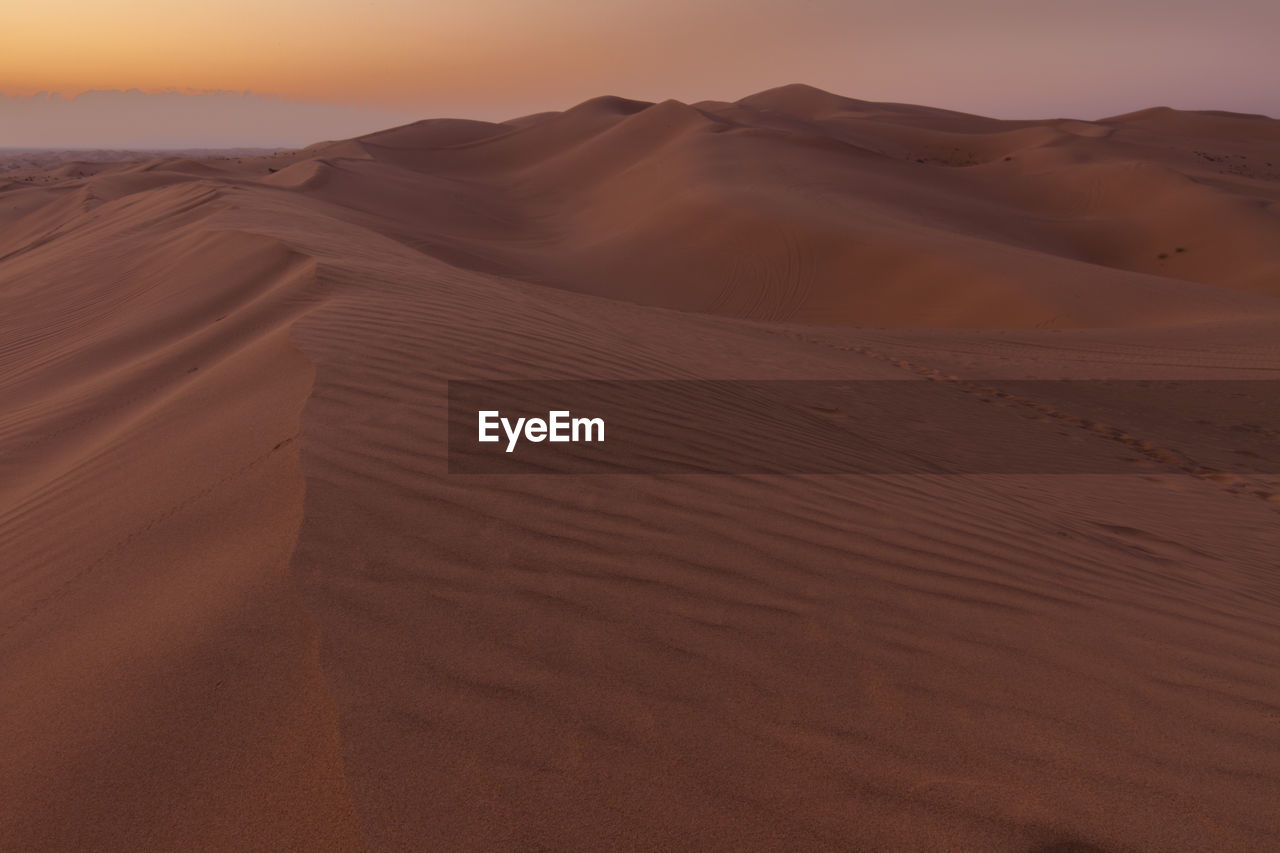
point(179, 119)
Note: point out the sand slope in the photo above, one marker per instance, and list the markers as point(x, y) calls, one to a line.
point(243, 605)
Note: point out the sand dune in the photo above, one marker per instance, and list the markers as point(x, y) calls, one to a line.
point(243, 604)
point(797, 205)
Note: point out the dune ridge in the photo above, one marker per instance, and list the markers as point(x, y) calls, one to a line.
point(168, 678)
point(244, 605)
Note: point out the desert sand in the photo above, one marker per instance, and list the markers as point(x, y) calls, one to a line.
point(243, 604)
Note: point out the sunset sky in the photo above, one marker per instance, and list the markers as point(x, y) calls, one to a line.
point(387, 60)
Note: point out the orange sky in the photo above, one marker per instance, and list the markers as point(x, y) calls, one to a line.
point(498, 58)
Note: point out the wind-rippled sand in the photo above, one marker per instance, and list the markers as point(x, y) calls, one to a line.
point(244, 606)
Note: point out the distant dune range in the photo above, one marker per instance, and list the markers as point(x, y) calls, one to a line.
point(243, 605)
point(44, 164)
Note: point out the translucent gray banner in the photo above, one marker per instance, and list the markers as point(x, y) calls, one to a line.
point(864, 427)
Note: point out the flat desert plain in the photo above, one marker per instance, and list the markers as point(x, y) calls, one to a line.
point(245, 606)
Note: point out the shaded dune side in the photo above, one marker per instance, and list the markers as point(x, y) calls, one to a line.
point(772, 663)
point(893, 663)
point(148, 511)
point(729, 663)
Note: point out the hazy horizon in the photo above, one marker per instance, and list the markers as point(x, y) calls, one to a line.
point(147, 73)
